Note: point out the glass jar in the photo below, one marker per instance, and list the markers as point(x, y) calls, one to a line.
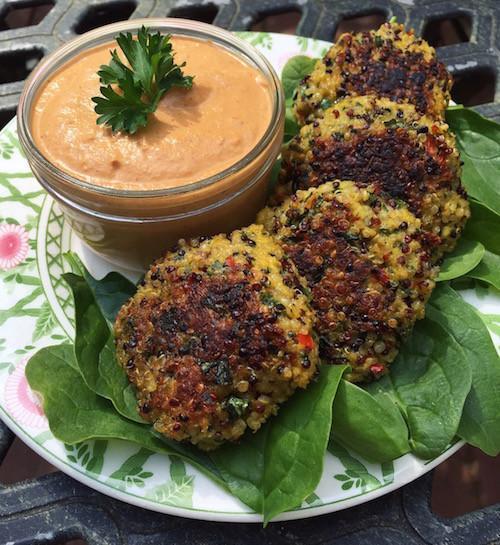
point(132, 227)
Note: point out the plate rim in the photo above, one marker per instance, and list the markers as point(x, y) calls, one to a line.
point(220, 516)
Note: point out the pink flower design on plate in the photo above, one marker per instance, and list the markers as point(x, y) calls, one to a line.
point(13, 245)
point(20, 401)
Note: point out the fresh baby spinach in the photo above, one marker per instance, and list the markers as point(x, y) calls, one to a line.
point(294, 72)
point(478, 140)
point(95, 350)
point(464, 258)
point(488, 270)
point(484, 227)
point(372, 426)
point(76, 413)
point(480, 422)
point(429, 381)
point(266, 470)
point(278, 467)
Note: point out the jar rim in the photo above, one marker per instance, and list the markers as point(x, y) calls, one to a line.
point(182, 27)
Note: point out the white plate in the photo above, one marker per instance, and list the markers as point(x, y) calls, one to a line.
point(37, 311)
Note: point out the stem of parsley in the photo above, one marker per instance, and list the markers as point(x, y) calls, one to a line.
point(130, 93)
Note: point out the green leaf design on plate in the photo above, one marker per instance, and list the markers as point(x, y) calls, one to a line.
point(7, 366)
point(14, 141)
point(303, 43)
point(387, 472)
point(131, 472)
point(89, 454)
point(15, 194)
point(258, 39)
point(21, 307)
point(42, 437)
point(45, 322)
point(313, 500)
point(356, 474)
point(6, 150)
point(179, 491)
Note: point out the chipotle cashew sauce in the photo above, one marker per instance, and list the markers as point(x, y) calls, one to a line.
point(195, 133)
point(200, 166)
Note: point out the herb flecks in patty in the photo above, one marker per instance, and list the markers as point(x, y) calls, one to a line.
point(367, 264)
point(389, 62)
point(217, 336)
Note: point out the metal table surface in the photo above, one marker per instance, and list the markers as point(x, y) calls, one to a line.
point(55, 508)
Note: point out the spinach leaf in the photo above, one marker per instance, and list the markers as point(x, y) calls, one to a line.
point(95, 351)
point(294, 72)
point(369, 425)
point(110, 293)
point(76, 413)
point(488, 270)
point(480, 423)
point(466, 255)
point(483, 226)
point(281, 465)
point(291, 127)
point(429, 381)
point(478, 140)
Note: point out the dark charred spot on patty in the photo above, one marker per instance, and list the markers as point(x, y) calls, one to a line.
point(394, 74)
point(392, 159)
point(210, 323)
point(390, 63)
point(203, 338)
point(338, 272)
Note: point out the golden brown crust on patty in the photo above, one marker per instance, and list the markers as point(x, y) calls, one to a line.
point(373, 140)
point(218, 335)
point(367, 266)
point(389, 62)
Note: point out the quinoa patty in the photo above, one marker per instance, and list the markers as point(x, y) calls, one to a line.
point(366, 264)
point(374, 140)
point(216, 337)
point(388, 62)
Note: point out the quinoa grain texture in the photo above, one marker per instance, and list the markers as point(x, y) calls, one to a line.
point(411, 157)
point(367, 265)
point(388, 62)
point(218, 335)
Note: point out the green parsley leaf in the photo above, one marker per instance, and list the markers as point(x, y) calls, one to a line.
point(140, 86)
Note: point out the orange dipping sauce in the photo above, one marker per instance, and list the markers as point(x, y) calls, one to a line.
point(195, 133)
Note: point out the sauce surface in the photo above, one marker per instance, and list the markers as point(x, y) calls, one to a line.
point(195, 133)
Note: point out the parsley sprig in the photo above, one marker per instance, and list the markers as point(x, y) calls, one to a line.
point(131, 93)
